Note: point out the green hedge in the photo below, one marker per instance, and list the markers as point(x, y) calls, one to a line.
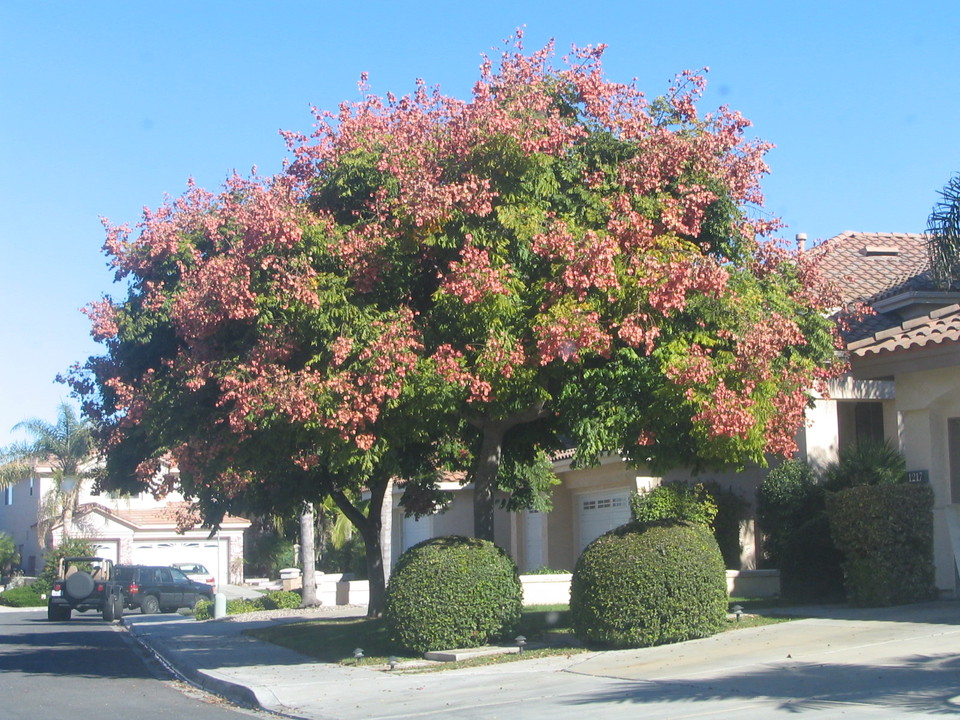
point(886, 535)
point(452, 592)
point(22, 596)
point(649, 584)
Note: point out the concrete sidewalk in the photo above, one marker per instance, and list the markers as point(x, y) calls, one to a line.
point(890, 662)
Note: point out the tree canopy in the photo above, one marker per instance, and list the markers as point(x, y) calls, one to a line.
point(439, 284)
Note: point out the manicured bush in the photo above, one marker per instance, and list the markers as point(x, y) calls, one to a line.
point(886, 535)
point(279, 600)
point(22, 596)
point(649, 584)
point(703, 503)
point(452, 592)
point(674, 501)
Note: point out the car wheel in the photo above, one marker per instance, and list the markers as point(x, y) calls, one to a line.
point(109, 608)
point(118, 609)
point(149, 605)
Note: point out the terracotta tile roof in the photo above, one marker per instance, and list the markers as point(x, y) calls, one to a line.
point(164, 516)
point(940, 327)
point(871, 266)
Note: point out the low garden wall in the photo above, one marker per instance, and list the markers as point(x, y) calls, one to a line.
point(332, 589)
point(753, 583)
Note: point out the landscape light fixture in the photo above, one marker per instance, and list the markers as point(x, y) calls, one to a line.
point(393, 661)
point(738, 611)
point(358, 655)
point(520, 640)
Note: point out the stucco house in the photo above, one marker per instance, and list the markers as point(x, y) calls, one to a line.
point(127, 529)
point(909, 352)
point(904, 385)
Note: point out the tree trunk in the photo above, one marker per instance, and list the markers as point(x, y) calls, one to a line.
point(485, 480)
point(369, 528)
point(308, 556)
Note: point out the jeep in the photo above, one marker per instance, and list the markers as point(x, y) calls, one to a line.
point(85, 583)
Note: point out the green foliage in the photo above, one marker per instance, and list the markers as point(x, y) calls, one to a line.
point(203, 610)
point(674, 501)
point(242, 606)
point(732, 509)
point(452, 592)
point(22, 596)
point(642, 585)
point(703, 503)
point(8, 553)
point(866, 463)
point(544, 570)
point(787, 497)
point(70, 547)
point(278, 600)
point(886, 535)
point(796, 534)
point(943, 228)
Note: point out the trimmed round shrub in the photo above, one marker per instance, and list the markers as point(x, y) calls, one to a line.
point(649, 584)
point(452, 592)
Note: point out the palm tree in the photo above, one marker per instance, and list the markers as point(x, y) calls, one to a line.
point(943, 230)
point(67, 445)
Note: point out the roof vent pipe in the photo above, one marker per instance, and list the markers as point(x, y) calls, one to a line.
point(801, 241)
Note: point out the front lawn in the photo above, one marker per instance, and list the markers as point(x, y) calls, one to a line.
point(334, 640)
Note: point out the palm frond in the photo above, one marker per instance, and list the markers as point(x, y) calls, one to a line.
point(943, 231)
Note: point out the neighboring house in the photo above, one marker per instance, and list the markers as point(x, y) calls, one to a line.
point(912, 348)
point(904, 386)
point(138, 529)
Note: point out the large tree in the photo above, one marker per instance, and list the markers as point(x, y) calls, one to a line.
point(438, 284)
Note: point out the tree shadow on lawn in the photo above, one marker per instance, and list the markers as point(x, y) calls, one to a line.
point(917, 684)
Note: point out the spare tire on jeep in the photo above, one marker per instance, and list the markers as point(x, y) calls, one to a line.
point(79, 585)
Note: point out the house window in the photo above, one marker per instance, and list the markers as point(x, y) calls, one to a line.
point(860, 422)
point(8, 495)
point(869, 422)
point(31, 487)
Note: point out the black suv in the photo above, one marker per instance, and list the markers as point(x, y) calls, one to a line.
point(159, 589)
point(85, 583)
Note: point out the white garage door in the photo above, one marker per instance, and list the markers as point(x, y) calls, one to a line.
point(416, 530)
point(600, 512)
point(107, 549)
point(163, 552)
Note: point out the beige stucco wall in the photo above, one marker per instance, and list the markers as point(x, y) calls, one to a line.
point(926, 401)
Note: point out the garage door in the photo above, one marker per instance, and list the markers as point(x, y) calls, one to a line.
point(107, 549)
point(416, 530)
point(600, 512)
point(162, 552)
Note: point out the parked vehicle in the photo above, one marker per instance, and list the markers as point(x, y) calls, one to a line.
point(154, 589)
point(85, 583)
point(196, 572)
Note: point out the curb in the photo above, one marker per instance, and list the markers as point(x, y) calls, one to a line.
point(232, 691)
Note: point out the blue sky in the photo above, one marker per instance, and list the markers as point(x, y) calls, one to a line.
point(107, 106)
